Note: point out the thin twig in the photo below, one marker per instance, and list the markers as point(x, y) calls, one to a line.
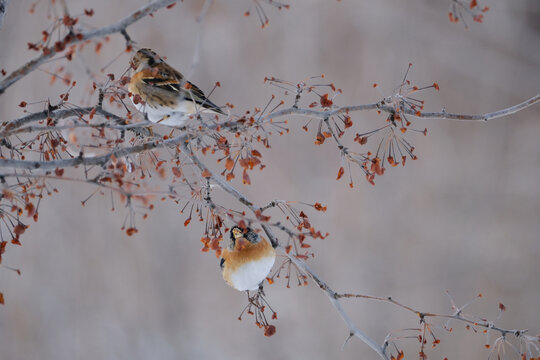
point(94, 160)
point(84, 36)
point(329, 292)
point(27, 164)
point(457, 316)
point(482, 117)
point(55, 113)
point(334, 299)
point(389, 109)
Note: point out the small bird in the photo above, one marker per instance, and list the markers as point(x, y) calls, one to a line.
point(167, 97)
point(247, 259)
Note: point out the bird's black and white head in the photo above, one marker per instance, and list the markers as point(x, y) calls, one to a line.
point(236, 232)
point(248, 234)
point(144, 58)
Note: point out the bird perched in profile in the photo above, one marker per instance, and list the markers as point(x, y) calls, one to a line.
point(247, 259)
point(167, 97)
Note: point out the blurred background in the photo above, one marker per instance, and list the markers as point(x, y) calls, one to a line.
point(463, 218)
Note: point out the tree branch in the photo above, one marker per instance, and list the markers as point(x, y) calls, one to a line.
point(222, 183)
point(389, 109)
point(62, 113)
point(55, 113)
point(182, 142)
point(456, 316)
point(483, 117)
point(107, 30)
point(95, 160)
point(334, 299)
point(332, 295)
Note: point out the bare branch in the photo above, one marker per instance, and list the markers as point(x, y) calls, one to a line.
point(182, 142)
point(334, 299)
point(55, 113)
point(457, 315)
point(138, 128)
point(332, 295)
point(381, 106)
point(324, 114)
point(216, 178)
point(95, 160)
point(483, 117)
point(117, 27)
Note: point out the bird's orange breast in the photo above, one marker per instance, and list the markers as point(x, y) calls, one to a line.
point(135, 79)
point(247, 257)
point(245, 251)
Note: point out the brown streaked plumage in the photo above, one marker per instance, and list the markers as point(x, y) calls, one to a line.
point(168, 98)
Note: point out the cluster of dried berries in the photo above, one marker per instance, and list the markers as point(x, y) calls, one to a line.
point(334, 122)
point(526, 348)
point(62, 28)
point(256, 306)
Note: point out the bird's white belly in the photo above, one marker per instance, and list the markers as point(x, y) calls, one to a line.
point(163, 115)
point(251, 274)
point(176, 116)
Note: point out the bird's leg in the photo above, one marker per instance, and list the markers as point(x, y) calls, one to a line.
point(150, 129)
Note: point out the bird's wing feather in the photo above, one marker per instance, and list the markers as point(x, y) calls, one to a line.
point(162, 84)
point(194, 93)
point(170, 79)
point(165, 78)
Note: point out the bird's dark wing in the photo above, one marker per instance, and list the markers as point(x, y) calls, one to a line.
point(168, 79)
point(194, 93)
point(163, 84)
point(221, 263)
point(163, 77)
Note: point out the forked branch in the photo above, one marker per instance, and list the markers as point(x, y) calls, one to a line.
point(117, 27)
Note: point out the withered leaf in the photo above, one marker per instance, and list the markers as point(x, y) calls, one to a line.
point(206, 173)
point(229, 164)
point(269, 330)
point(325, 101)
point(340, 173)
point(245, 178)
point(176, 171)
